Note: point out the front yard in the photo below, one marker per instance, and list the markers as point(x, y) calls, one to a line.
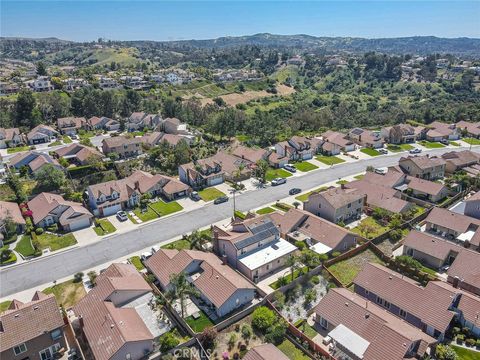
point(67, 293)
point(17, 149)
point(346, 270)
point(25, 247)
point(329, 160)
point(431, 144)
point(210, 194)
point(304, 197)
point(370, 151)
point(135, 261)
point(55, 241)
point(145, 214)
point(178, 245)
point(277, 173)
point(166, 208)
point(305, 166)
point(265, 210)
point(472, 141)
point(104, 227)
point(399, 147)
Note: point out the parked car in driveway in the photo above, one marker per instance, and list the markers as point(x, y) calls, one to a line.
point(220, 200)
point(383, 151)
point(122, 216)
point(444, 142)
point(415, 151)
point(194, 196)
point(279, 181)
point(290, 168)
point(295, 191)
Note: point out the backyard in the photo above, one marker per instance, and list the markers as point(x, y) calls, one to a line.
point(104, 227)
point(431, 144)
point(370, 228)
point(346, 270)
point(466, 354)
point(210, 194)
point(370, 151)
point(287, 279)
point(305, 166)
point(4, 305)
point(399, 148)
point(200, 323)
point(277, 173)
point(292, 352)
point(329, 160)
point(67, 293)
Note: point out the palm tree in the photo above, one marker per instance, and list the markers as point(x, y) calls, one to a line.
point(197, 239)
point(292, 263)
point(180, 289)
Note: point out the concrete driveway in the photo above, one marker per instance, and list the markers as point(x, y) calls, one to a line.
point(121, 226)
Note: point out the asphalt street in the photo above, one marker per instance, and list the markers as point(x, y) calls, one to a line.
point(24, 276)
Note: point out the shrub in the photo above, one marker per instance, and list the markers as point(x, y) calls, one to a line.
point(315, 280)
point(470, 342)
point(478, 343)
point(78, 277)
point(276, 333)
point(39, 231)
point(246, 331)
point(336, 253)
point(460, 339)
point(263, 318)
point(300, 245)
point(281, 281)
point(208, 336)
point(232, 340)
point(456, 330)
point(445, 352)
point(168, 341)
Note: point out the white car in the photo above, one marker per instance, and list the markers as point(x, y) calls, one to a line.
point(279, 181)
point(290, 168)
point(122, 216)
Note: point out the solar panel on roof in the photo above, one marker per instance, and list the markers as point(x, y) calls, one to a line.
point(357, 131)
point(259, 232)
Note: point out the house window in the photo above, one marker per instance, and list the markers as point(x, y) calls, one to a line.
point(268, 266)
point(56, 334)
point(383, 302)
point(19, 349)
point(403, 313)
point(45, 354)
point(319, 206)
point(323, 322)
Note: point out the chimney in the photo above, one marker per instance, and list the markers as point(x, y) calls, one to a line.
point(455, 282)
point(224, 259)
point(80, 321)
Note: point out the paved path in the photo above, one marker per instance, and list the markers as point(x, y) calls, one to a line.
point(23, 276)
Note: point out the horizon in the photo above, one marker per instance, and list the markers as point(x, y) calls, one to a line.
point(85, 21)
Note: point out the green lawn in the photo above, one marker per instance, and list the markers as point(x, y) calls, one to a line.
point(210, 194)
point(68, 293)
point(292, 352)
point(277, 173)
point(178, 245)
point(265, 210)
point(307, 329)
point(66, 139)
point(298, 272)
point(329, 160)
point(145, 214)
point(165, 208)
point(399, 147)
point(11, 259)
point(466, 354)
point(454, 143)
point(370, 151)
point(135, 261)
point(282, 206)
point(342, 182)
point(4, 305)
point(55, 143)
point(431, 144)
point(304, 197)
point(105, 227)
point(305, 166)
point(472, 141)
point(55, 242)
point(25, 247)
point(376, 228)
point(429, 270)
point(17, 149)
point(346, 270)
point(359, 177)
point(199, 324)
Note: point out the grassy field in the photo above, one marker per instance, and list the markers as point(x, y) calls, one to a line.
point(165, 208)
point(292, 352)
point(210, 194)
point(277, 173)
point(265, 210)
point(472, 141)
point(431, 144)
point(178, 245)
point(369, 151)
point(4, 305)
point(55, 242)
point(67, 293)
point(199, 324)
point(346, 270)
point(377, 228)
point(305, 166)
point(105, 228)
point(399, 148)
point(17, 149)
point(135, 261)
point(145, 214)
point(25, 247)
point(329, 160)
point(304, 197)
point(466, 354)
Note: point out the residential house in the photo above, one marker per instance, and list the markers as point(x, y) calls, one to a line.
point(250, 154)
point(469, 128)
point(458, 160)
point(320, 235)
point(107, 83)
point(40, 84)
point(142, 120)
point(10, 210)
point(441, 131)
point(112, 196)
point(78, 154)
point(33, 160)
point(33, 330)
point(399, 134)
point(337, 204)
point(364, 330)
point(118, 318)
point(298, 148)
point(97, 123)
point(172, 126)
point(340, 142)
point(424, 167)
point(266, 351)
point(253, 246)
point(71, 125)
point(472, 206)
point(219, 286)
point(455, 227)
point(464, 273)
point(425, 189)
point(366, 138)
point(10, 138)
point(124, 147)
point(431, 308)
point(72, 84)
point(48, 209)
point(155, 138)
point(41, 134)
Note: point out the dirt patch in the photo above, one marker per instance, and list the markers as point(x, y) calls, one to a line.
point(68, 293)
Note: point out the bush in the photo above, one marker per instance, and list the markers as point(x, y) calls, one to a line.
point(263, 318)
point(300, 245)
point(478, 343)
point(232, 340)
point(276, 333)
point(460, 339)
point(315, 280)
point(445, 352)
point(78, 277)
point(39, 231)
point(53, 228)
point(470, 342)
point(335, 254)
point(456, 330)
point(246, 331)
point(168, 341)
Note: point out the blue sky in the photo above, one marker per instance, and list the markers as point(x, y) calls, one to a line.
point(176, 20)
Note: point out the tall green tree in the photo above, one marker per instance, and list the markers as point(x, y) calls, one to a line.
point(24, 107)
point(181, 289)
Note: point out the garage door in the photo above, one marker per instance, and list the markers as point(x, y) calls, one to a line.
point(110, 210)
point(80, 224)
point(215, 181)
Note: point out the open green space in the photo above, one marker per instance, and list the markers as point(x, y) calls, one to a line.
point(137, 262)
point(166, 208)
point(472, 141)
point(305, 166)
point(306, 329)
point(25, 247)
point(200, 323)
point(346, 270)
point(329, 160)
point(178, 245)
point(466, 354)
point(145, 214)
point(210, 194)
point(292, 352)
point(370, 151)
point(399, 147)
point(55, 241)
point(68, 293)
point(431, 144)
point(277, 173)
point(104, 227)
point(265, 210)
point(66, 139)
point(17, 149)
